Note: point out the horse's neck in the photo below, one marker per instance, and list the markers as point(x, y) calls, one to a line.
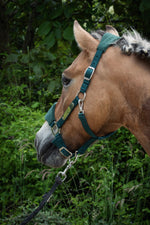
point(135, 83)
point(131, 76)
point(136, 90)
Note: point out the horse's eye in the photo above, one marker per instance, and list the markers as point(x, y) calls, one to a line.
point(65, 81)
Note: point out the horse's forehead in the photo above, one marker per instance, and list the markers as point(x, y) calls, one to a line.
point(78, 65)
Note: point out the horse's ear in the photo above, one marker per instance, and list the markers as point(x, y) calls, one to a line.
point(111, 30)
point(83, 38)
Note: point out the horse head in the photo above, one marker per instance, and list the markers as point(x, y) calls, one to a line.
point(104, 104)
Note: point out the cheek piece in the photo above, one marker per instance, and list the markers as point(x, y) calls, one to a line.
point(106, 41)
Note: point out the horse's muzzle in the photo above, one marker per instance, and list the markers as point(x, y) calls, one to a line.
point(47, 152)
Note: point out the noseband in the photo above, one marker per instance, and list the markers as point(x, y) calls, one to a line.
point(106, 41)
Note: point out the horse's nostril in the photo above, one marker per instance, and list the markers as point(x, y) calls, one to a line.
point(46, 148)
point(45, 151)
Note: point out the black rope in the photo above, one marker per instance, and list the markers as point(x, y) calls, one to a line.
point(46, 197)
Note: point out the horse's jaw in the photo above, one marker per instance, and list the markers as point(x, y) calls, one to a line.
point(47, 152)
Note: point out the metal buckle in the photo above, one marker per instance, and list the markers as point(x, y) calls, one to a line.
point(55, 129)
point(89, 78)
point(70, 153)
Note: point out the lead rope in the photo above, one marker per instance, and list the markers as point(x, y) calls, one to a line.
point(47, 196)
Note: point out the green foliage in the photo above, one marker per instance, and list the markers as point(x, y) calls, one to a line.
point(17, 149)
point(45, 218)
point(110, 183)
point(111, 190)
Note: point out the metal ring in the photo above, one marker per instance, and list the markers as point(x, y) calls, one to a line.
point(84, 95)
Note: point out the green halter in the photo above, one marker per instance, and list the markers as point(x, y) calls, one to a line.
point(106, 41)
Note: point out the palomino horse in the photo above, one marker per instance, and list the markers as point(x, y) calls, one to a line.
point(118, 95)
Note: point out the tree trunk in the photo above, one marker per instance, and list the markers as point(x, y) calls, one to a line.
point(4, 28)
point(29, 38)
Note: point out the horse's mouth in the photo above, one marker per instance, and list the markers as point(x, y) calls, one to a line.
point(47, 153)
point(44, 152)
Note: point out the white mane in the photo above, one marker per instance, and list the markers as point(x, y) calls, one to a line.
point(130, 43)
point(136, 44)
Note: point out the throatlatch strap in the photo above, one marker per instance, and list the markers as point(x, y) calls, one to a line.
point(86, 126)
point(88, 129)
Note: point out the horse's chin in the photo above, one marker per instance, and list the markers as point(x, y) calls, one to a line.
point(52, 159)
point(47, 153)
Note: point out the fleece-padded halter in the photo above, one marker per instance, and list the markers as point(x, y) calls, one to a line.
point(106, 41)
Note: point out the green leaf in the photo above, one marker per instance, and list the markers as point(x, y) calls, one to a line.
point(56, 13)
point(35, 105)
point(49, 56)
point(24, 58)
point(68, 11)
point(58, 33)
point(12, 58)
point(37, 69)
point(68, 34)
point(44, 28)
point(49, 41)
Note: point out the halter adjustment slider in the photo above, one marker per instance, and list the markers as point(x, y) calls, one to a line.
point(65, 152)
point(89, 73)
point(55, 129)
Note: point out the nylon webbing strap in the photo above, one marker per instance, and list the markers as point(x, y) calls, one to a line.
point(84, 147)
point(50, 115)
point(68, 111)
point(85, 125)
point(107, 40)
point(59, 142)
